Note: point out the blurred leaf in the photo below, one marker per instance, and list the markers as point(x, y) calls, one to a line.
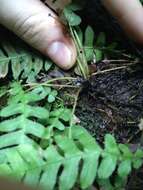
point(124, 168)
point(71, 17)
point(101, 40)
point(98, 54)
point(107, 166)
point(89, 37)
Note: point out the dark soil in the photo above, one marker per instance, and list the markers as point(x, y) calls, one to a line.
point(113, 103)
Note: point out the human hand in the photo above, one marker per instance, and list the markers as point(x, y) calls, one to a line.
point(129, 14)
point(36, 24)
point(8, 184)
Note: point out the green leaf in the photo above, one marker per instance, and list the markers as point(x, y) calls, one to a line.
point(80, 34)
point(90, 158)
point(51, 98)
point(38, 93)
point(138, 153)
point(31, 177)
point(24, 64)
point(127, 154)
point(48, 64)
point(35, 129)
point(10, 125)
point(98, 55)
point(105, 184)
point(138, 159)
point(52, 166)
point(120, 182)
point(66, 115)
point(15, 161)
point(91, 153)
point(137, 163)
point(89, 54)
point(111, 145)
point(58, 116)
point(101, 40)
point(33, 160)
point(11, 110)
point(15, 61)
point(71, 17)
point(11, 139)
point(4, 64)
point(37, 64)
point(74, 7)
point(55, 123)
point(61, 113)
point(38, 112)
point(5, 170)
point(73, 156)
point(110, 157)
point(107, 166)
point(124, 168)
point(89, 37)
point(29, 111)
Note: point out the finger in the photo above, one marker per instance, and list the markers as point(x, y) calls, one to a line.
point(40, 27)
point(7, 184)
point(129, 13)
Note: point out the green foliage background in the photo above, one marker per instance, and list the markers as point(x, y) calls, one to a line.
point(38, 146)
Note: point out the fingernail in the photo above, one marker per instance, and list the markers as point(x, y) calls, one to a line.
point(60, 54)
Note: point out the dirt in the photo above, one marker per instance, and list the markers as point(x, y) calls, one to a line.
point(113, 103)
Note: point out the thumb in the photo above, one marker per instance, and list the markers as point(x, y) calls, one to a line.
point(39, 26)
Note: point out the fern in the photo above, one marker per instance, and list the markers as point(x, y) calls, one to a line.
point(23, 63)
point(38, 145)
point(36, 148)
point(19, 111)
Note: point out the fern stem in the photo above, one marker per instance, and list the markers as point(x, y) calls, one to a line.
point(61, 86)
point(82, 63)
point(60, 78)
point(51, 80)
point(73, 111)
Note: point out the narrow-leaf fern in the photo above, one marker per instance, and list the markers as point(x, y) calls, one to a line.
point(36, 148)
point(23, 63)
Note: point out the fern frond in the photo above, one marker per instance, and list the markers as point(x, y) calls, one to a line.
point(24, 64)
point(22, 118)
point(71, 161)
point(49, 162)
point(36, 148)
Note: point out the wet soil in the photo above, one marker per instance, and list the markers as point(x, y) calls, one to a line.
point(113, 103)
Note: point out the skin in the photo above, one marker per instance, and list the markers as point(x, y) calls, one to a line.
point(10, 185)
point(30, 20)
point(129, 14)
